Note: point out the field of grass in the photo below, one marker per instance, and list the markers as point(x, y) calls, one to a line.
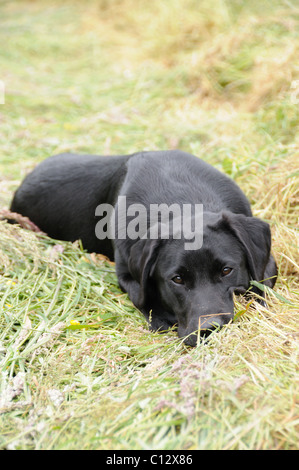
point(219, 79)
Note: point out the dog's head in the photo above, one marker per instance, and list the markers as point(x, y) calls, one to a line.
point(196, 287)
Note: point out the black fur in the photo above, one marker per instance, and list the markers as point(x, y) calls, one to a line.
point(60, 196)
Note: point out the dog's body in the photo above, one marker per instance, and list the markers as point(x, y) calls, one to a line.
point(168, 283)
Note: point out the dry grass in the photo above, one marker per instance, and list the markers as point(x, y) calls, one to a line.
point(79, 368)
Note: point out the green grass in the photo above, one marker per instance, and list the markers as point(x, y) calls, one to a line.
point(79, 368)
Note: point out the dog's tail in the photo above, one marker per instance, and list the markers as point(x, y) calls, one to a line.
point(15, 218)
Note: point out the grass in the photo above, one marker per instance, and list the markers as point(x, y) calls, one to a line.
point(79, 368)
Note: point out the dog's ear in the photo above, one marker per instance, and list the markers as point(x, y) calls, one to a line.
point(270, 274)
point(255, 236)
point(142, 261)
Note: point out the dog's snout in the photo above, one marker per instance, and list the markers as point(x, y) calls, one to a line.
point(214, 321)
point(206, 325)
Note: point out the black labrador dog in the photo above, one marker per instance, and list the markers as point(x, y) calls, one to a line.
point(171, 281)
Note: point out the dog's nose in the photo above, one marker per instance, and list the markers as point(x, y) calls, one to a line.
point(213, 321)
point(206, 325)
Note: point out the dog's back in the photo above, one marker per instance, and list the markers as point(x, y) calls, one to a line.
point(174, 176)
point(60, 195)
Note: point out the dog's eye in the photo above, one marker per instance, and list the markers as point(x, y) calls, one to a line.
point(226, 270)
point(178, 279)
